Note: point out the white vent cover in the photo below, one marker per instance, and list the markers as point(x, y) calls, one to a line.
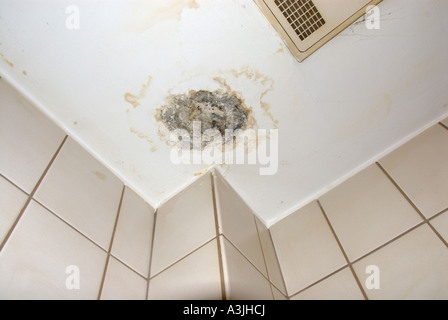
point(306, 25)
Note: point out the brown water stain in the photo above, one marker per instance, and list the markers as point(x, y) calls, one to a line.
point(100, 175)
point(133, 99)
point(202, 172)
point(143, 136)
point(148, 14)
point(266, 81)
point(281, 50)
point(381, 107)
point(24, 73)
point(6, 60)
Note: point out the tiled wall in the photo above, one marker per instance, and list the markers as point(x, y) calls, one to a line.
point(61, 212)
point(64, 217)
point(387, 225)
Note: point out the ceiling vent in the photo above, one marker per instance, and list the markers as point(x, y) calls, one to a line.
point(306, 25)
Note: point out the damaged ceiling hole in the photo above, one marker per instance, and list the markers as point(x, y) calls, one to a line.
point(217, 110)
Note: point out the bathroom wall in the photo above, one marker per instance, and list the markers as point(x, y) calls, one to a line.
point(69, 229)
point(359, 97)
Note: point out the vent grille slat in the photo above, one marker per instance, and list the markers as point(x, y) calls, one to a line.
point(302, 15)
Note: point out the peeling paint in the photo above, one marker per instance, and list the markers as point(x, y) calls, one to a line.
point(219, 110)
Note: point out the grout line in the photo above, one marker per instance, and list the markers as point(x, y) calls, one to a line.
point(220, 253)
point(262, 253)
point(15, 185)
point(389, 242)
point(343, 251)
point(69, 225)
point(401, 191)
point(443, 125)
point(320, 280)
point(152, 251)
point(425, 219)
point(279, 265)
point(368, 254)
point(282, 294)
point(233, 245)
point(111, 243)
point(31, 195)
point(129, 267)
point(186, 256)
point(438, 214)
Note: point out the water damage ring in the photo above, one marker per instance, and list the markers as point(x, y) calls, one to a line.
point(214, 110)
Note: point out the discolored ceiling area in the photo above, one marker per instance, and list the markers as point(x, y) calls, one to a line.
point(114, 82)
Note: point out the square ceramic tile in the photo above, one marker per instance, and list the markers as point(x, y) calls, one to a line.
point(277, 294)
point(367, 211)
point(420, 168)
point(12, 201)
point(133, 234)
point(46, 259)
point(306, 248)
point(445, 122)
point(412, 267)
point(243, 280)
point(121, 283)
point(82, 192)
point(196, 277)
point(340, 286)
point(237, 223)
point(28, 140)
point(270, 256)
point(441, 225)
point(183, 224)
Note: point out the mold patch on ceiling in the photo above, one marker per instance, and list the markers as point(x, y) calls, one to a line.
point(213, 110)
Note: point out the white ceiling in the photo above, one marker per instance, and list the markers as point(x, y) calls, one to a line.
point(358, 97)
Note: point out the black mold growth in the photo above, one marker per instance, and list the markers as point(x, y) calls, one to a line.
point(217, 110)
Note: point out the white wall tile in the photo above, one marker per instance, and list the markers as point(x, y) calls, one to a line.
point(367, 211)
point(340, 286)
point(445, 122)
point(121, 283)
point(420, 168)
point(441, 225)
point(196, 277)
point(34, 262)
point(237, 223)
point(183, 224)
point(412, 267)
point(272, 264)
point(12, 201)
point(243, 280)
point(133, 235)
point(28, 140)
point(306, 248)
point(82, 192)
point(277, 294)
